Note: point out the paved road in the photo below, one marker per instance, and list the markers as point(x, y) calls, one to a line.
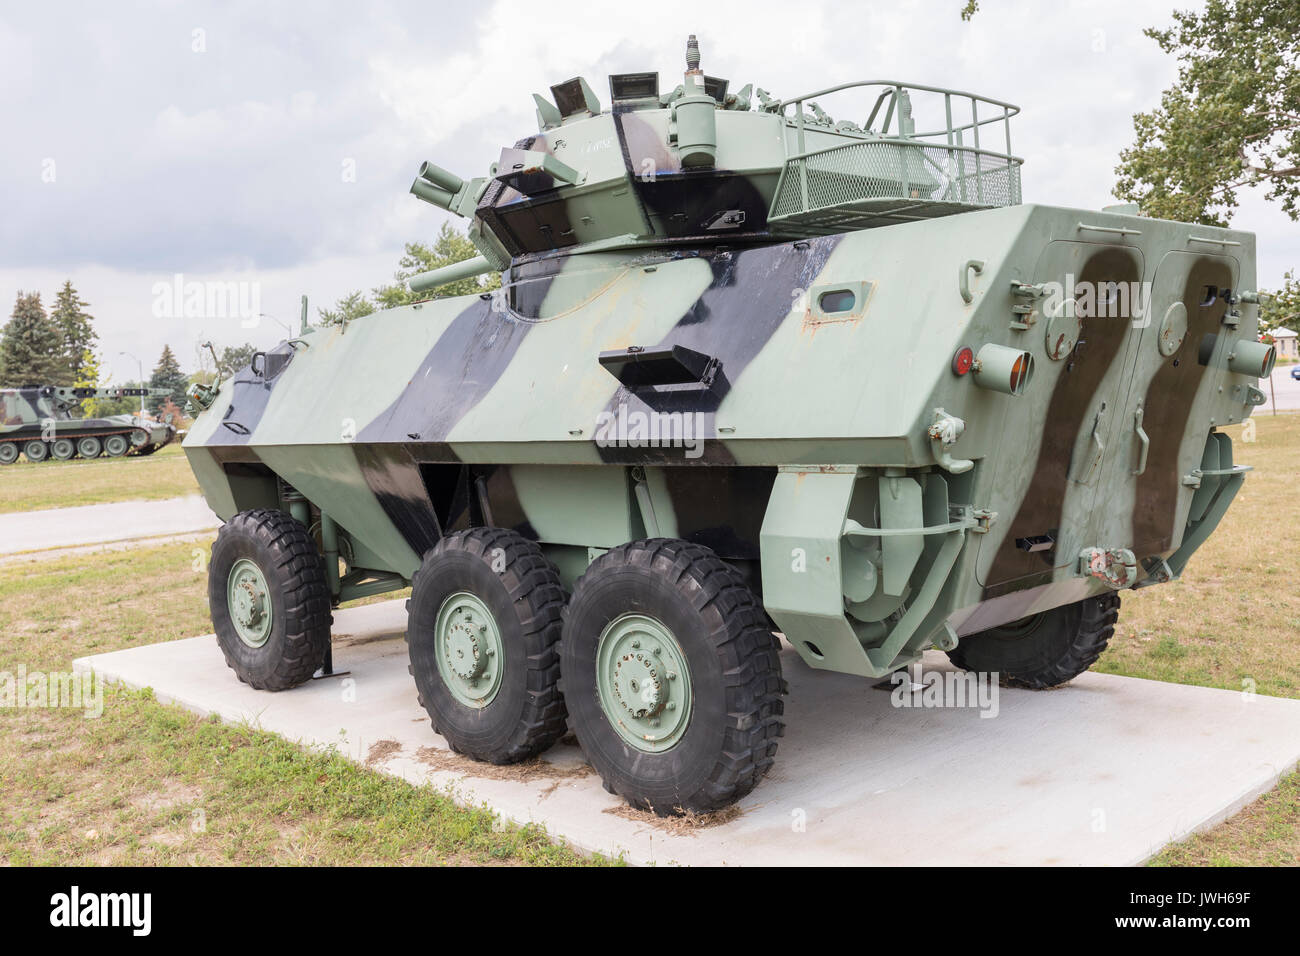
point(97, 524)
point(1286, 388)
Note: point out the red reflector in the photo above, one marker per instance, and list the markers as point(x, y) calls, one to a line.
point(1017, 370)
point(962, 361)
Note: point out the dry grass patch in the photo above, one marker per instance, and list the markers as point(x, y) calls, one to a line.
point(67, 484)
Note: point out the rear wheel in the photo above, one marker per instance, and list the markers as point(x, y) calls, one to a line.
point(672, 677)
point(269, 600)
point(484, 619)
point(1043, 650)
point(62, 449)
point(115, 446)
point(89, 447)
point(36, 450)
point(8, 452)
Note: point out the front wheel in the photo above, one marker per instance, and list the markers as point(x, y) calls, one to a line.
point(482, 623)
point(672, 677)
point(269, 600)
point(1043, 650)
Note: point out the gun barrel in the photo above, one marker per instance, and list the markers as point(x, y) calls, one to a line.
point(466, 269)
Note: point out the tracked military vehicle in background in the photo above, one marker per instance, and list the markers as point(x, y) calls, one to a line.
point(750, 369)
point(39, 422)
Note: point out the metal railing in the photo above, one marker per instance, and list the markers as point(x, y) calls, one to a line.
point(896, 161)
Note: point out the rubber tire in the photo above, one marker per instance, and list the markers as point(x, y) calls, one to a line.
point(1045, 650)
point(58, 445)
point(735, 672)
point(525, 597)
point(112, 440)
point(97, 447)
point(300, 599)
point(44, 453)
point(16, 452)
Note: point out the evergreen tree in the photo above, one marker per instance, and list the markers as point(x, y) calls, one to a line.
point(167, 374)
point(74, 324)
point(31, 348)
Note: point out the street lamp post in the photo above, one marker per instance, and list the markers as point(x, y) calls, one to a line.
point(141, 365)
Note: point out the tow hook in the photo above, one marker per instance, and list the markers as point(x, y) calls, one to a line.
point(1115, 567)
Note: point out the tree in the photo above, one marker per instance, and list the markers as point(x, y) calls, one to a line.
point(449, 247)
point(346, 309)
point(1231, 120)
point(236, 357)
point(88, 377)
point(1281, 310)
point(167, 374)
point(74, 325)
point(31, 348)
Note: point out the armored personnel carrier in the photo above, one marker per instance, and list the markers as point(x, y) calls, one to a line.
point(39, 422)
point(751, 369)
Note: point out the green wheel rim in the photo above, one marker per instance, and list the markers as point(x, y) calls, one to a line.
point(468, 649)
point(644, 682)
point(8, 453)
point(249, 601)
point(115, 445)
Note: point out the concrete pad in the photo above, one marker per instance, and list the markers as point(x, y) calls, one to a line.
point(1104, 771)
point(95, 524)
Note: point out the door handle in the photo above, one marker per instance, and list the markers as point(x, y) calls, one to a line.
point(1144, 442)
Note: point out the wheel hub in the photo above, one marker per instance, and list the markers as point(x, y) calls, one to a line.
point(643, 682)
point(469, 649)
point(249, 601)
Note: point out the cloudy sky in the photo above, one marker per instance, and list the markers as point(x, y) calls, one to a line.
point(273, 143)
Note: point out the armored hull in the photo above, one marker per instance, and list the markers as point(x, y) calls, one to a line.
point(38, 422)
point(877, 421)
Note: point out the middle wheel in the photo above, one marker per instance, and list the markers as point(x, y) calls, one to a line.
point(483, 622)
point(672, 677)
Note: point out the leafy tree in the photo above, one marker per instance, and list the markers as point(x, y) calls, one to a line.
point(167, 374)
point(74, 324)
point(1281, 310)
point(346, 309)
point(450, 246)
point(235, 357)
point(31, 348)
point(88, 377)
point(1231, 120)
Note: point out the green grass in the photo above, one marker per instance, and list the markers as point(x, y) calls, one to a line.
point(65, 484)
point(148, 783)
point(1232, 621)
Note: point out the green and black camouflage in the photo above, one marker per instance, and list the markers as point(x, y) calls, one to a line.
point(40, 422)
point(844, 357)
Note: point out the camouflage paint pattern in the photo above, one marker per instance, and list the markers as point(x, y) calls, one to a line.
point(812, 462)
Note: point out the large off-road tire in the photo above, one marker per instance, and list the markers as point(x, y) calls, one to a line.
point(1044, 650)
point(483, 622)
point(269, 599)
point(672, 677)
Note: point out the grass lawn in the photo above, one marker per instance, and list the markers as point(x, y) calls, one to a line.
point(65, 484)
point(1232, 621)
point(134, 785)
point(153, 784)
